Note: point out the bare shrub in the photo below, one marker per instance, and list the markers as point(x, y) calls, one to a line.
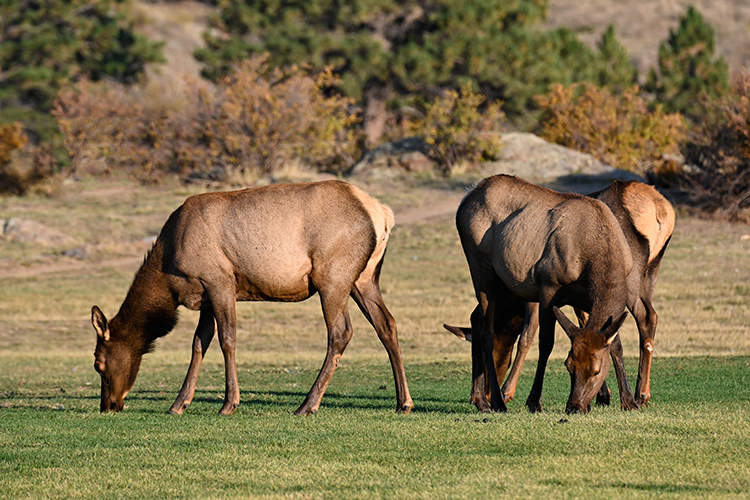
point(717, 177)
point(618, 129)
point(255, 121)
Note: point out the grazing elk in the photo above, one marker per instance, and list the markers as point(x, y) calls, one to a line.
point(279, 243)
point(647, 220)
point(527, 243)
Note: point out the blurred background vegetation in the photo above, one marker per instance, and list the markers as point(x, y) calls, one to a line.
point(321, 82)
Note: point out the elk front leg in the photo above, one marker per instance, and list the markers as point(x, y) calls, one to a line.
point(222, 300)
point(627, 401)
point(339, 334)
point(546, 343)
point(487, 303)
point(204, 333)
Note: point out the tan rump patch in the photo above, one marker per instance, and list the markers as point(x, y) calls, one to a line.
point(652, 215)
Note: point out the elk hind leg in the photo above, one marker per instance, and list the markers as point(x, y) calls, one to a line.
point(531, 324)
point(366, 293)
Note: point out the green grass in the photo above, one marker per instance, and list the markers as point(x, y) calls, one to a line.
point(692, 440)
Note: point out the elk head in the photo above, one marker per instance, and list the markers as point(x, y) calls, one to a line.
point(588, 360)
point(116, 362)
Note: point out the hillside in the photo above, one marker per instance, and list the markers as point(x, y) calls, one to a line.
point(642, 24)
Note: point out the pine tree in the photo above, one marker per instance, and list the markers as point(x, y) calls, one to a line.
point(687, 72)
point(406, 50)
point(614, 68)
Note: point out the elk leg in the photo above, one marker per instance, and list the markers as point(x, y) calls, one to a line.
point(604, 396)
point(339, 334)
point(646, 319)
point(204, 333)
point(479, 382)
point(546, 343)
point(222, 299)
point(487, 338)
point(530, 326)
point(627, 401)
point(370, 301)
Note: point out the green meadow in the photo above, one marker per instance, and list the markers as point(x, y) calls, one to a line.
point(692, 441)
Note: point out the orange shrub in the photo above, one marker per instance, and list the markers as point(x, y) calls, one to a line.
point(255, 121)
point(619, 130)
point(455, 129)
point(718, 178)
point(11, 138)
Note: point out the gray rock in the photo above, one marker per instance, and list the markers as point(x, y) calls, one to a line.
point(31, 231)
point(536, 160)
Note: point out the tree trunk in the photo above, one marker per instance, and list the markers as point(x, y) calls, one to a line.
point(376, 113)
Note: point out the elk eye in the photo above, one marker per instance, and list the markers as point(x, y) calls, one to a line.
point(99, 367)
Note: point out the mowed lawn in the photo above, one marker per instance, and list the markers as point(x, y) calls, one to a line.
point(691, 441)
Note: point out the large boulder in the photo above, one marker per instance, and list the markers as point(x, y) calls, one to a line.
point(523, 154)
point(536, 160)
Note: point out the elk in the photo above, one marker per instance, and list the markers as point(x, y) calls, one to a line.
point(276, 243)
point(647, 220)
point(526, 243)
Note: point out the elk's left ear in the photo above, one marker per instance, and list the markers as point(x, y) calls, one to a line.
point(100, 323)
point(611, 331)
point(460, 332)
point(567, 325)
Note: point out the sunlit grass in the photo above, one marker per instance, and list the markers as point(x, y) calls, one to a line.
point(690, 442)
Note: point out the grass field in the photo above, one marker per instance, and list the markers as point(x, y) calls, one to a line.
point(692, 440)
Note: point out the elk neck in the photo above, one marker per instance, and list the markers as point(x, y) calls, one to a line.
point(150, 308)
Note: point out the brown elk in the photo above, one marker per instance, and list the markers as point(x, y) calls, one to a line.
point(276, 243)
point(647, 220)
point(526, 243)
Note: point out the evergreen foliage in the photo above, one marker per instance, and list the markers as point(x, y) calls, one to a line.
point(614, 67)
point(410, 47)
point(687, 74)
point(45, 45)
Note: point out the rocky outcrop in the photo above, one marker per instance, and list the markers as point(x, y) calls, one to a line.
point(525, 155)
point(536, 160)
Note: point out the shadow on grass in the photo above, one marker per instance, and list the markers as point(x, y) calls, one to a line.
point(290, 400)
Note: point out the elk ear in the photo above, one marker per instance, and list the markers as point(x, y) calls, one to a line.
point(611, 331)
point(100, 323)
point(460, 332)
point(567, 325)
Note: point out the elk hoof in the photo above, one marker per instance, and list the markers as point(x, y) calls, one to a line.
point(534, 407)
point(302, 411)
point(405, 409)
point(483, 406)
point(228, 410)
point(500, 406)
point(628, 405)
point(603, 399)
